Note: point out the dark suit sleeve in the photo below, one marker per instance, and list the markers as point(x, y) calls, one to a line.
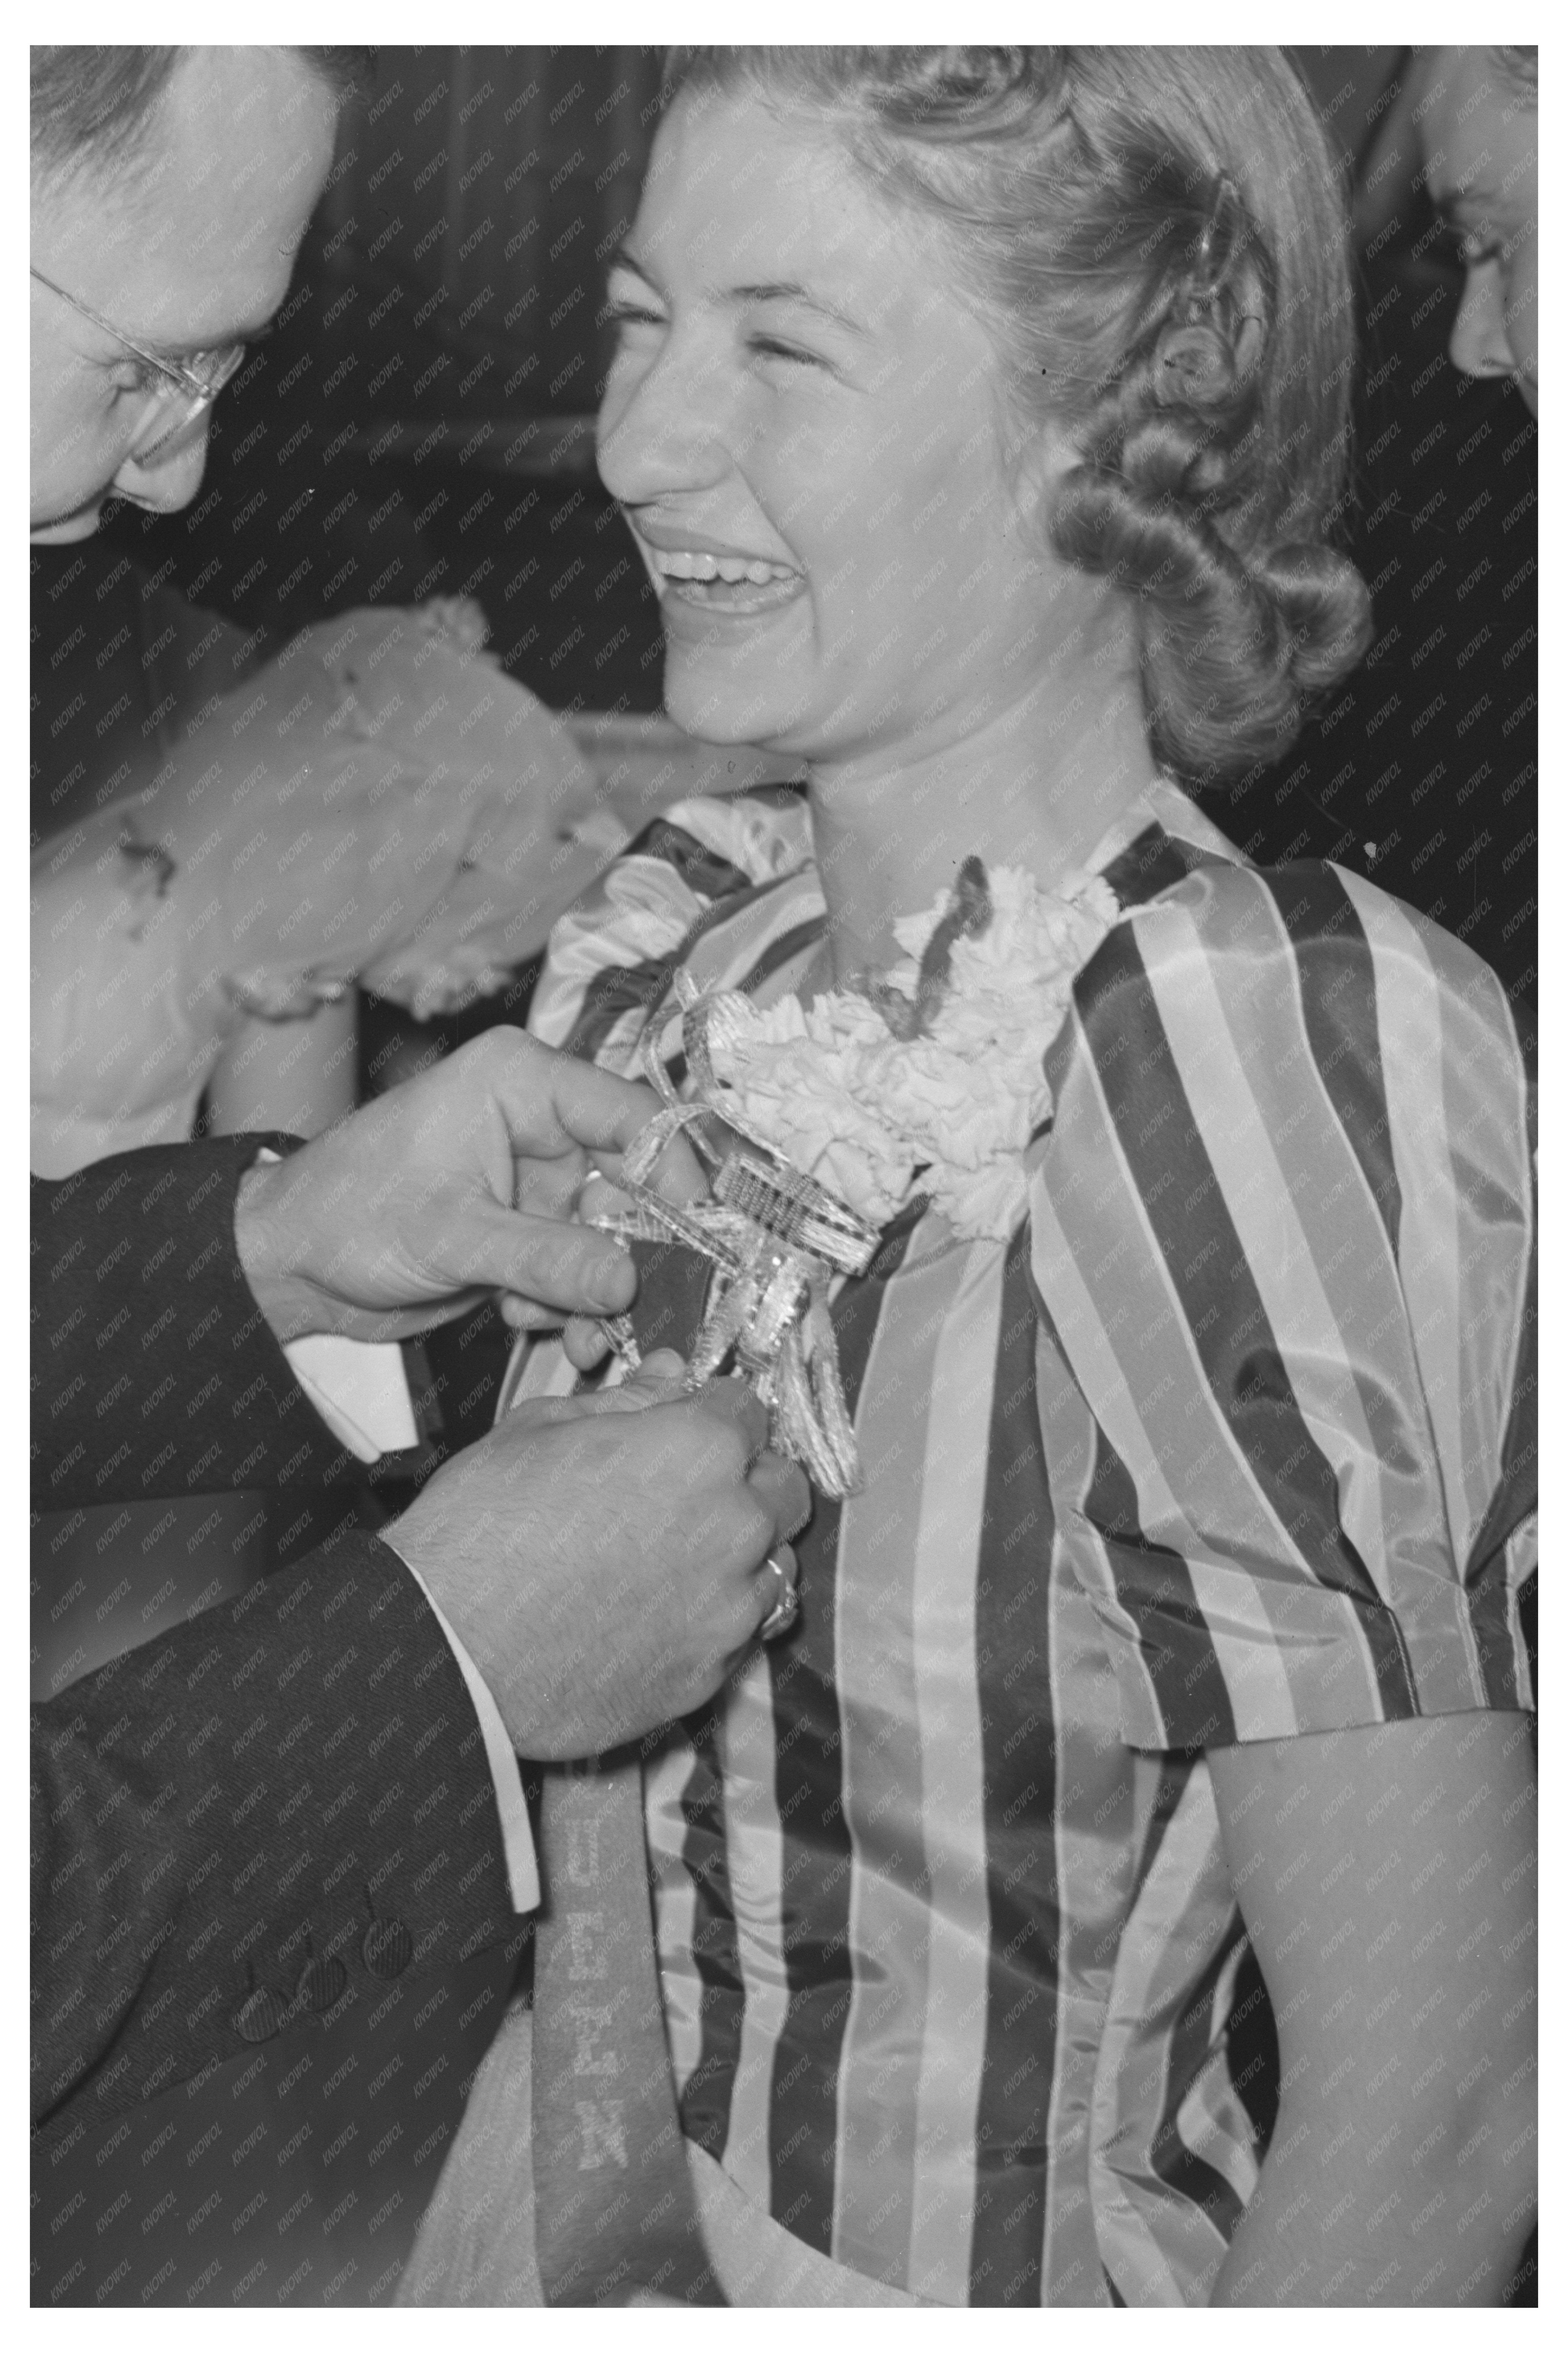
point(282, 1805)
point(154, 1370)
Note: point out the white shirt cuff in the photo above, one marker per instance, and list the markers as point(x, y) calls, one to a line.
point(360, 1389)
point(516, 1830)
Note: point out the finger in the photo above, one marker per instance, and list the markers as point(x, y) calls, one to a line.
point(734, 1402)
point(407, 1323)
point(677, 1175)
point(600, 1200)
point(768, 1589)
point(635, 1396)
point(525, 1315)
point(586, 1342)
point(656, 1381)
point(551, 1187)
point(782, 1489)
point(773, 1587)
point(548, 1099)
point(549, 1262)
point(592, 1405)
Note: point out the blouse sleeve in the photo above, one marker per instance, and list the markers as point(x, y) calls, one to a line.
point(1283, 1232)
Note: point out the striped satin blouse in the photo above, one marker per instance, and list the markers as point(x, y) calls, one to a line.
point(1231, 1440)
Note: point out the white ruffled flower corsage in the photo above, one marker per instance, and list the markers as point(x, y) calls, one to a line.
point(933, 1082)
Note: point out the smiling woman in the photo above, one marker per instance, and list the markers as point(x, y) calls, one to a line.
point(923, 341)
point(980, 417)
point(754, 416)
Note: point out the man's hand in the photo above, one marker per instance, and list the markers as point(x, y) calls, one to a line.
point(457, 1185)
point(598, 1556)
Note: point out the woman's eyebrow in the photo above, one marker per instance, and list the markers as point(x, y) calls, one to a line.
point(773, 290)
point(785, 289)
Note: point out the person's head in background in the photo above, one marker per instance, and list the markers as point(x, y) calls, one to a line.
point(170, 190)
point(1475, 109)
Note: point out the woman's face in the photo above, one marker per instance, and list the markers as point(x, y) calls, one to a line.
point(804, 424)
point(1478, 140)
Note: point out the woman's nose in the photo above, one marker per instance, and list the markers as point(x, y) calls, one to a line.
point(1478, 345)
point(168, 476)
point(665, 430)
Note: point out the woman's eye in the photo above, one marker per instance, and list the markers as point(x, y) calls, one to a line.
point(769, 347)
point(631, 314)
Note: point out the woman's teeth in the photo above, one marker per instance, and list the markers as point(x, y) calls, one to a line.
point(692, 563)
point(724, 584)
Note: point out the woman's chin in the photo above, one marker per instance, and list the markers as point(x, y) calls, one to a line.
point(739, 678)
point(717, 709)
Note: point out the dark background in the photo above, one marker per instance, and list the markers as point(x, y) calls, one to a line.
point(419, 423)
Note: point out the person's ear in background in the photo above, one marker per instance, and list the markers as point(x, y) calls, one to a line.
point(1459, 134)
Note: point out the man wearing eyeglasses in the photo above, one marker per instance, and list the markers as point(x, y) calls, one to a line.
point(161, 238)
point(344, 1735)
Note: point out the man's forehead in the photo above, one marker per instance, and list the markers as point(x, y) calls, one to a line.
point(194, 238)
point(237, 126)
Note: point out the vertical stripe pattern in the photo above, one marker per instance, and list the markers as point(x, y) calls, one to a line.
point(1234, 1438)
point(884, 1625)
point(809, 1782)
point(1011, 2138)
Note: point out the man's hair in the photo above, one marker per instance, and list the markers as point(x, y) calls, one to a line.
point(94, 110)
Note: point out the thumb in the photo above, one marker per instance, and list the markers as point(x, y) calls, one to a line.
point(657, 1370)
point(552, 1262)
point(658, 1382)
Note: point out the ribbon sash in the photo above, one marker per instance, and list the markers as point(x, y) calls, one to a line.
point(615, 2212)
point(615, 2221)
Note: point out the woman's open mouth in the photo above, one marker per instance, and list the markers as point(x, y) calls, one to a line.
point(722, 584)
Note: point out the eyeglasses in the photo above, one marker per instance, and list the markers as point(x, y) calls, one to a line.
point(194, 383)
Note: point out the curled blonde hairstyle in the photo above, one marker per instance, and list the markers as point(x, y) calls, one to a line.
point(1156, 240)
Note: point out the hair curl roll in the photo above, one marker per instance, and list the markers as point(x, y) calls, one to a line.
point(1156, 240)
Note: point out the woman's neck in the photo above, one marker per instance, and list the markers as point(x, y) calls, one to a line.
point(1035, 786)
